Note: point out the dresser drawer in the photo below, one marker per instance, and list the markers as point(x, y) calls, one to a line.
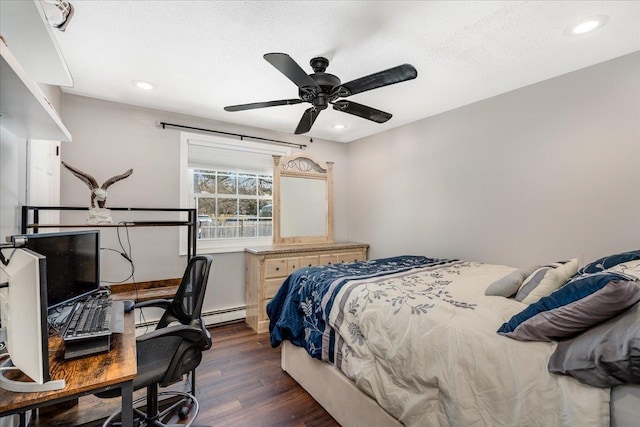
point(276, 267)
point(293, 264)
point(264, 310)
point(327, 259)
point(309, 261)
point(301, 262)
point(271, 286)
point(350, 256)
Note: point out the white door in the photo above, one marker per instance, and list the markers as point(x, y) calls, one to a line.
point(43, 179)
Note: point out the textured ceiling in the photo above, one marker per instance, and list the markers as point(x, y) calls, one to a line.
point(204, 55)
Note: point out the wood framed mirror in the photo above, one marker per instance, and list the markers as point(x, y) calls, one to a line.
point(302, 200)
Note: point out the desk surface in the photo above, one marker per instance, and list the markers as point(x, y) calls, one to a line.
point(85, 375)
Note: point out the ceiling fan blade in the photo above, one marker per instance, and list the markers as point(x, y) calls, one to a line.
point(307, 120)
point(388, 77)
point(253, 105)
point(361, 111)
point(290, 68)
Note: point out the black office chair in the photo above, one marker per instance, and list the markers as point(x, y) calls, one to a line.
point(172, 350)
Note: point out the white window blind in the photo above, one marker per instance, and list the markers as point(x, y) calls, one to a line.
point(209, 152)
point(211, 155)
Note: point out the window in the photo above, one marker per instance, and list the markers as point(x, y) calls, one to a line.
point(230, 183)
point(232, 204)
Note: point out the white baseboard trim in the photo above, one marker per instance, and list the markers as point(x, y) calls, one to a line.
point(225, 315)
point(211, 318)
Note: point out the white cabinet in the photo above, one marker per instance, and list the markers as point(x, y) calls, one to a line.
point(31, 40)
point(24, 109)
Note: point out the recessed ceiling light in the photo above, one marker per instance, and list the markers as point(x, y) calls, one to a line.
point(339, 126)
point(586, 25)
point(141, 84)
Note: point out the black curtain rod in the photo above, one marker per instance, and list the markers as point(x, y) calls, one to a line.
point(165, 125)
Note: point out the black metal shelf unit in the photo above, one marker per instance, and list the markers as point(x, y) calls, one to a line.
point(190, 223)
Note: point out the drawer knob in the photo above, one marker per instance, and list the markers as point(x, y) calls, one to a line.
point(277, 268)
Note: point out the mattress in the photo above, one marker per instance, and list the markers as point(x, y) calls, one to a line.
point(418, 336)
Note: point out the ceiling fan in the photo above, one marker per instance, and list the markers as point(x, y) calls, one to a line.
point(321, 89)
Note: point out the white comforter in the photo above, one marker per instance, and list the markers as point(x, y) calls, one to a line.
point(435, 359)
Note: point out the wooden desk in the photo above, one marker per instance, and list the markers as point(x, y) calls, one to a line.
point(86, 375)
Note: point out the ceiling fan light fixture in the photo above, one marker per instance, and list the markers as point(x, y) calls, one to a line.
point(587, 25)
point(141, 84)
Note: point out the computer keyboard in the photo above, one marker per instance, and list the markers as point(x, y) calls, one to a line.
point(88, 319)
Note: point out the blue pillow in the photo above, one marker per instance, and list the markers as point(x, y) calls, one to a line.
point(609, 261)
point(583, 302)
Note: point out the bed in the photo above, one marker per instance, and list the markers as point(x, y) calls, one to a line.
point(413, 341)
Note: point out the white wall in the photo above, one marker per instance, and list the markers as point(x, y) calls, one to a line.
point(109, 138)
point(13, 160)
point(546, 172)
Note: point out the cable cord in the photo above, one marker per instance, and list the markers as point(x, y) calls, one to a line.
point(129, 254)
point(5, 260)
point(125, 256)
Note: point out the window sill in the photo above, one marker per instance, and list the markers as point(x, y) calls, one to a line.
point(206, 247)
point(220, 250)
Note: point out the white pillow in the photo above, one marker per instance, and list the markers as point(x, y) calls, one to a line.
point(546, 279)
point(508, 285)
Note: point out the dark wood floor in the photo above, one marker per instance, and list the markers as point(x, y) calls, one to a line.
point(239, 383)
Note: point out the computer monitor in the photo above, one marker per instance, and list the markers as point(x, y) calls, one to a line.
point(73, 263)
point(23, 309)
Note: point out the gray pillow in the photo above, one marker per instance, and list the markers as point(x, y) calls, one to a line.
point(606, 355)
point(508, 285)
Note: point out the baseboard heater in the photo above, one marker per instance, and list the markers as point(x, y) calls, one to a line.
point(212, 317)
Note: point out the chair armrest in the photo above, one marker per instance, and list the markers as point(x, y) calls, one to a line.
point(194, 332)
point(160, 303)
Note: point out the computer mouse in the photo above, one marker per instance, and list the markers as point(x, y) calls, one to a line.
point(128, 305)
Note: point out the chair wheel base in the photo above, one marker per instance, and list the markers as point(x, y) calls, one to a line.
point(183, 413)
point(144, 419)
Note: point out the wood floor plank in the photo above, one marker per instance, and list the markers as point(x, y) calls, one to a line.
point(239, 383)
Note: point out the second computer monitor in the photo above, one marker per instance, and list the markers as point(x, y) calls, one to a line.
point(73, 263)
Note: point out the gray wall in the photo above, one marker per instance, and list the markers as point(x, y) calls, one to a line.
point(109, 138)
point(13, 171)
point(546, 172)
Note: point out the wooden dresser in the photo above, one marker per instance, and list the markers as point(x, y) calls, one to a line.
point(268, 266)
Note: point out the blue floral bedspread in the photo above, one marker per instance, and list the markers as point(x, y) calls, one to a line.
point(300, 309)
